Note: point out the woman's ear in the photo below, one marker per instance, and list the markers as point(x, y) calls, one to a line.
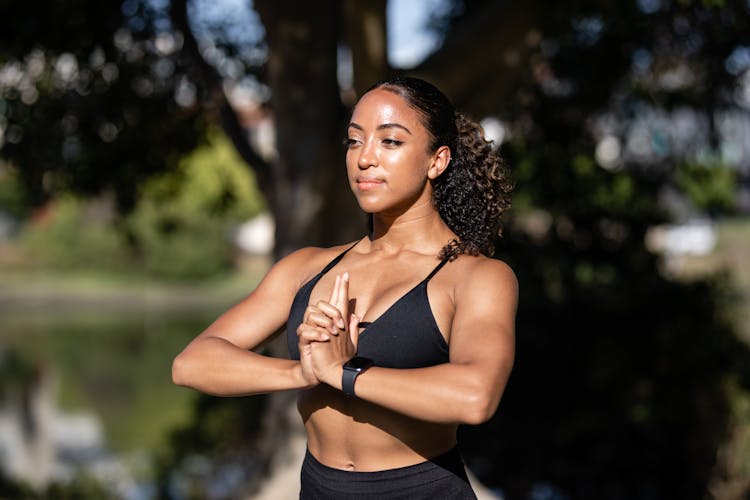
point(440, 162)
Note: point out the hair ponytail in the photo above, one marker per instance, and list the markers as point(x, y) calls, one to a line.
point(474, 190)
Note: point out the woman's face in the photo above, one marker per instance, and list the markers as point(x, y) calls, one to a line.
point(387, 155)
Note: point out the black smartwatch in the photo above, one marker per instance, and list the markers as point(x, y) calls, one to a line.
point(352, 369)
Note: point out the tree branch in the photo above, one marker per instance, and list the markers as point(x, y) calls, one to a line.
point(213, 83)
point(485, 55)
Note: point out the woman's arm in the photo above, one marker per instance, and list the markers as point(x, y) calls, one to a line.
point(219, 360)
point(468, 388)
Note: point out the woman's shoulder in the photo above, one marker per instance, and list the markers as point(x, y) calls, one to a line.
point(480, 272)
point(303, 264)
point(314, 256)
point(483, 289)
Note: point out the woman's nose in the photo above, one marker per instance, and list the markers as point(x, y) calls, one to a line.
point(367, 156)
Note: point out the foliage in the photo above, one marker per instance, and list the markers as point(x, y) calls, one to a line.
point(181, 224)
point(711, 188)
point(92, 96)
point(14, 489)
point(175, 244)
point(82, 486)
point(212, 179)
point(70, 237)
point(179, 229)
point(624, 378)
point(12, 198)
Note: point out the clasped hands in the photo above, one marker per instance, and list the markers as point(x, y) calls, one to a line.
point(328, 336)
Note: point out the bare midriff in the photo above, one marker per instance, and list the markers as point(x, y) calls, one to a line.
point(351, 434)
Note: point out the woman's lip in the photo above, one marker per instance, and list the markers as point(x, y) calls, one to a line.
point(365, 184)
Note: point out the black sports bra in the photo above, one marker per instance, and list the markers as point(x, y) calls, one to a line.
point(404, 336)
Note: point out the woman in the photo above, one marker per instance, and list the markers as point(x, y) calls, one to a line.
point(397, 338)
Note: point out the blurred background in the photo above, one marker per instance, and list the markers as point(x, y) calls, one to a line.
point(157, 156)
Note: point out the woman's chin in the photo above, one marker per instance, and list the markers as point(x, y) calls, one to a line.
point(368, 205)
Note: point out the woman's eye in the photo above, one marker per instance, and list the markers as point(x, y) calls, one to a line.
point(392, 142)
point(349, 142)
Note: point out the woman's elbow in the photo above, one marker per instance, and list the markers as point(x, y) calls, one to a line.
point(482, 397)
point(480, 401)
point(478, 409)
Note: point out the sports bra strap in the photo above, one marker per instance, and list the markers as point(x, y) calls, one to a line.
point(337, 259)
point(341, 256)
point(437, 268)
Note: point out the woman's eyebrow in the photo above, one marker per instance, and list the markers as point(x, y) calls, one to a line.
point(381, 126)
point(393, 125)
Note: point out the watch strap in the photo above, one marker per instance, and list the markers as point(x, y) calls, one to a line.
point(352, 369)
point(347, 381)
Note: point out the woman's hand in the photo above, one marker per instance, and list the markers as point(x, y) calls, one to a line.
point(316, 326)
point(329, 357)
point(322, 322)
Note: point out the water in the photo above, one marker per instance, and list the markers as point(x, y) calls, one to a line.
point(97, 384)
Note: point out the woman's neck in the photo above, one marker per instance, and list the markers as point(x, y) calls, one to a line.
point(421, 230)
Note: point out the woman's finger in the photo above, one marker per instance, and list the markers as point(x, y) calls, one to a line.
point(333, 313)
point(342, 300)
point(322, 320)
point(324, 315)
point(307, 333)
point(310, 309)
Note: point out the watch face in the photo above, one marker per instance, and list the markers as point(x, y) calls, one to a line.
point(358, 363)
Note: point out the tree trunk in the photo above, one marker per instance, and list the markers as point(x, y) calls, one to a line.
point(366, 35)
point(494, 35)
point(310, 197)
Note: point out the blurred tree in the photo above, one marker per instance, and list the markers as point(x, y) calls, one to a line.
point(711, 188)
point(93, 96)
point(183, 218)
point(301, 71)
point(625, 380)
point(71, 237)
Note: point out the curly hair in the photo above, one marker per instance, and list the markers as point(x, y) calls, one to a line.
point(474, 190)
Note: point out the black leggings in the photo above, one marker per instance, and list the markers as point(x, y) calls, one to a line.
point(442, 477)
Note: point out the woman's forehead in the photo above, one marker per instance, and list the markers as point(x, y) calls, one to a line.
point(383, 106)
